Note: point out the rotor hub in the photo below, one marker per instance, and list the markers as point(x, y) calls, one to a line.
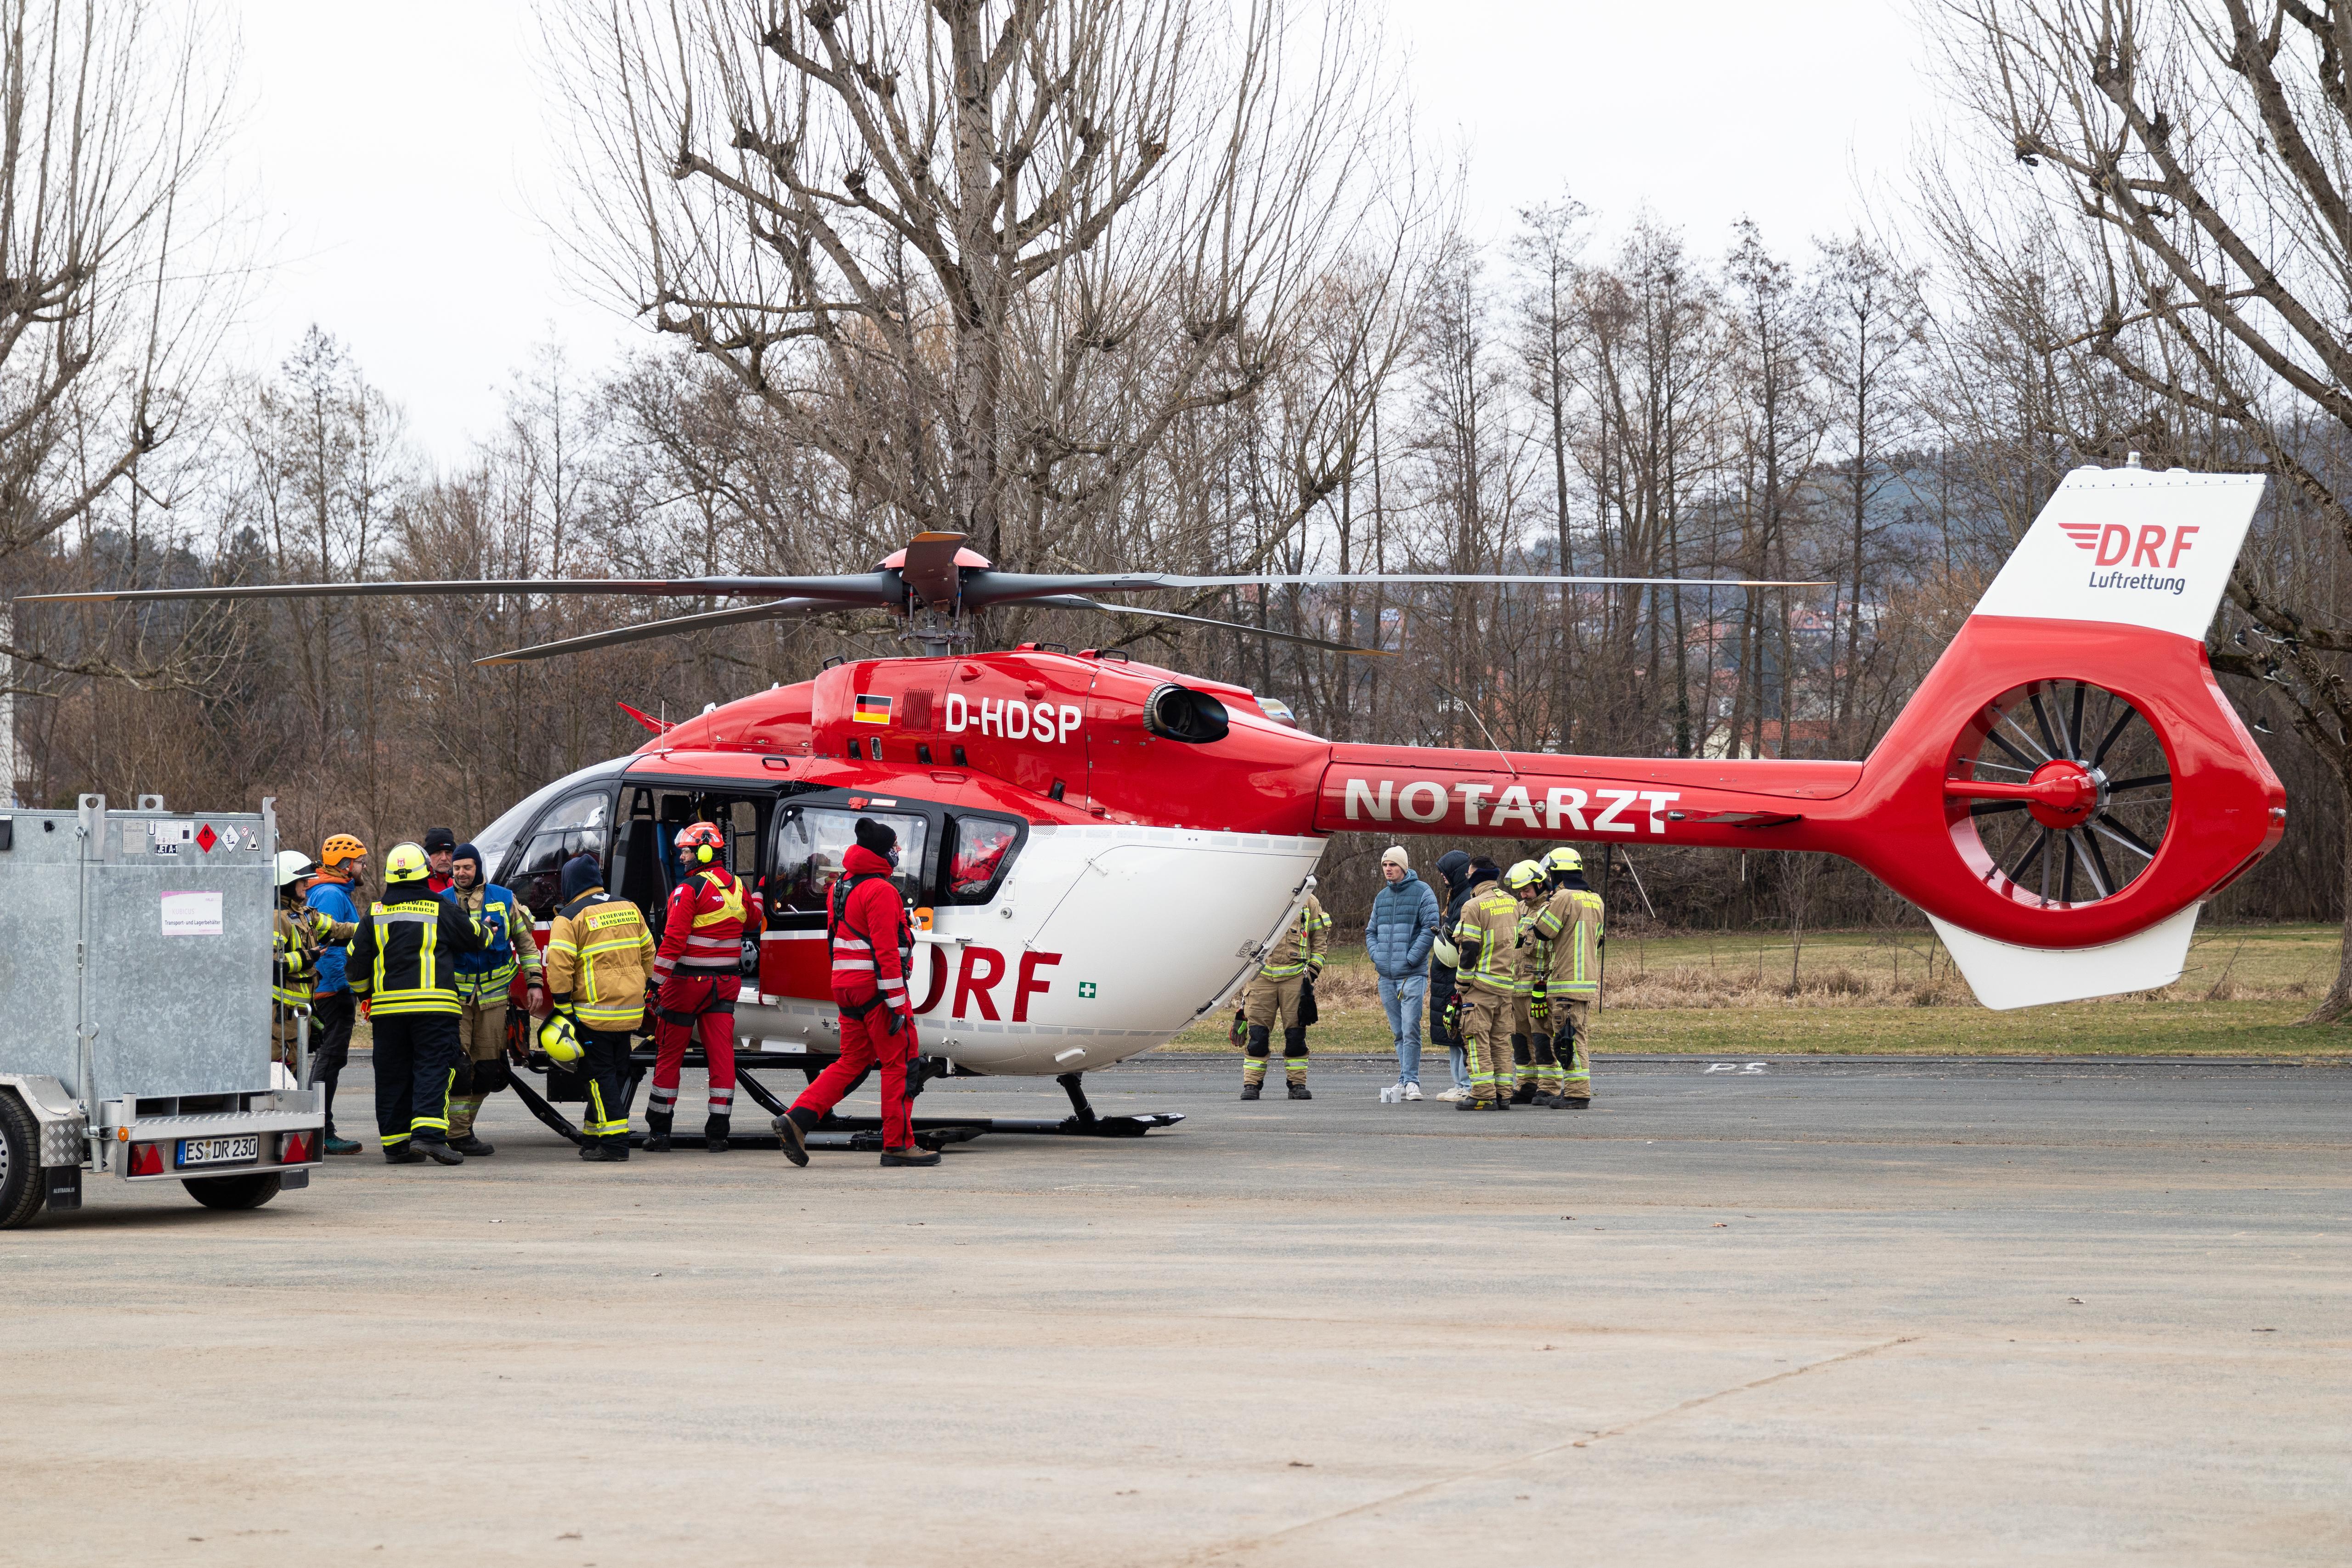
point(2065, 794)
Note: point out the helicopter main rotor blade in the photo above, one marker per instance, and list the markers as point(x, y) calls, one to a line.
point(1074, 602)
point(783, 609)
point(987, 588)
point(881, 588)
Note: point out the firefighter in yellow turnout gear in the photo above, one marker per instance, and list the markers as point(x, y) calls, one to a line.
point(1566, 930)
point(600, 967)
point(403, 970)
point(1272, 997)
point(296, 937)
point(1536, 1070)
point(1487, 989)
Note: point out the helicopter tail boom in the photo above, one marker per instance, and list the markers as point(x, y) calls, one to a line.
point(2066, 787)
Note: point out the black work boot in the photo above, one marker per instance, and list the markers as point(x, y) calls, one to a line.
point(605, 1152)
point(1251, 1090)
point(714, 1134)
point(1294, 1061)
point(657, 1124)
point(792, 1128)
point(402, 1154)
point(1524, 1094)
point(435, 1149)
point(1300, 1091)
point(472, 1146)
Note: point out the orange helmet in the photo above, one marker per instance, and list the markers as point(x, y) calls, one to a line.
point(339, 848)
point(701, 842)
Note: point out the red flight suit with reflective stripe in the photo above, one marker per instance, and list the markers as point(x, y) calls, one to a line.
point(697, 976)
point(870, 935)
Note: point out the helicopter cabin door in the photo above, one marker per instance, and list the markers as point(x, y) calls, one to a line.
point(644, 867)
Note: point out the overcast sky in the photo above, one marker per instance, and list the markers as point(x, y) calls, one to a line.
point(404, 160)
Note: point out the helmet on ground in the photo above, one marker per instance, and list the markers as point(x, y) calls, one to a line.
point(406, 863)
point(1562, 859)
point(561, 1041)
point(701, 842)
point(291, 867)
point(1523, 876)
point(339, 848)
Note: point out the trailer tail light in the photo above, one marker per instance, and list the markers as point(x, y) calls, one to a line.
point(297, 1150)
point(146, 1159)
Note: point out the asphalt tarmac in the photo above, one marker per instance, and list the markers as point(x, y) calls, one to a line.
point(1810, 1313)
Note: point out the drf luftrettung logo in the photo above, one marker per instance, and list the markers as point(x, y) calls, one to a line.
point(2152, 546)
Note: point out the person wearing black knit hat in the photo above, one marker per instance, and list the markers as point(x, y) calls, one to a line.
point(1454, 877)
point(872, 944)
point(440, 849)
point(485, 981)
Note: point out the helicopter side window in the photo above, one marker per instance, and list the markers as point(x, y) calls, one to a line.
point(982, 852)
point(811, 841)
point(576, 823)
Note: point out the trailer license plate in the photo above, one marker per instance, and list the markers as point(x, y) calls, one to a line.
point(236, 1151)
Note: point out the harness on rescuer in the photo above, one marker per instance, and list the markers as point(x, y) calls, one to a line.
point(836, 916)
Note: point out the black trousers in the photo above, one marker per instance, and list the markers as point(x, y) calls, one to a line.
point(605, 1063)
point(417, 1061)
point(332, 1015)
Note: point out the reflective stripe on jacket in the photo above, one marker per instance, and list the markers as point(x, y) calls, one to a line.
point(1306, 941)
point(1490, 927)
point(1570, 928)
point(600, 961)
point(294, 952)
point(871, 939)
point(488, 976)
point(404, 956)
point(703, 927)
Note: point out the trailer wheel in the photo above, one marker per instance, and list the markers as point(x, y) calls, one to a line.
point(22, 1191)
point(235, 1192)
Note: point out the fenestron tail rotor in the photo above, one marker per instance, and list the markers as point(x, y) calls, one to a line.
point(2067, 791)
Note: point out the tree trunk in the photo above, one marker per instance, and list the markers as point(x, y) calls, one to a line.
point(2338, 1001)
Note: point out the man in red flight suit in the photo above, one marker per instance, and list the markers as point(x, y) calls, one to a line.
point(697, 976)
point(871, 939)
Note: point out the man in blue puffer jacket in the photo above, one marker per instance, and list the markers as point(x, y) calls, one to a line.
point(1404, 924)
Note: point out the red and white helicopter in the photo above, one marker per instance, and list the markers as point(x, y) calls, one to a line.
point(1101, 847)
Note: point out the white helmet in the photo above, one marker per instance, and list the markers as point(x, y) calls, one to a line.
point(292, 866)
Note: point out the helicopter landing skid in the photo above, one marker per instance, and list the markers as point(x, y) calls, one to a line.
point(1082, 1122)
point(850, 1137)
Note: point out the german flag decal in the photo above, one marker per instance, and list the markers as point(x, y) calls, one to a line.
point(872, 709)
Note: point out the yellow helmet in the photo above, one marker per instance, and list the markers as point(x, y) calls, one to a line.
point(1523, 876)
point(1563, 859)
point(561, 1041)
point(406, 863)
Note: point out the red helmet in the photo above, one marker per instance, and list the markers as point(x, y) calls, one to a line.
point(701, 841)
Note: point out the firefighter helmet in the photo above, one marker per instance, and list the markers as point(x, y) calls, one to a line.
point(701, 842)
point(291, 867)
point(561, 1041)
point(406, 863)
point(1562, 859)
point(1445, 953)
point(1523, 876)
point(339, 848)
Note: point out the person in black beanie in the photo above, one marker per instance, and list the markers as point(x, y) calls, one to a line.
point(1454, 873)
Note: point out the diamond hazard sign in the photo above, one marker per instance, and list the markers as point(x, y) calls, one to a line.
point(206, 838)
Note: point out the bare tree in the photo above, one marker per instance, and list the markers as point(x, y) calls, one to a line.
point(2188, 162)
point(981, 254)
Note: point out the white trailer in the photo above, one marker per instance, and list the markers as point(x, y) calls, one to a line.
point(134, 1009)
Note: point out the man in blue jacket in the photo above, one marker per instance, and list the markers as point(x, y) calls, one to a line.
point(1397, 936)
point(342, 861)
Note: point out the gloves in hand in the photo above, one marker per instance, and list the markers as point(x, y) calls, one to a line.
point(366, 1004)
point(1450, 1015)
point(1539, 1005)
